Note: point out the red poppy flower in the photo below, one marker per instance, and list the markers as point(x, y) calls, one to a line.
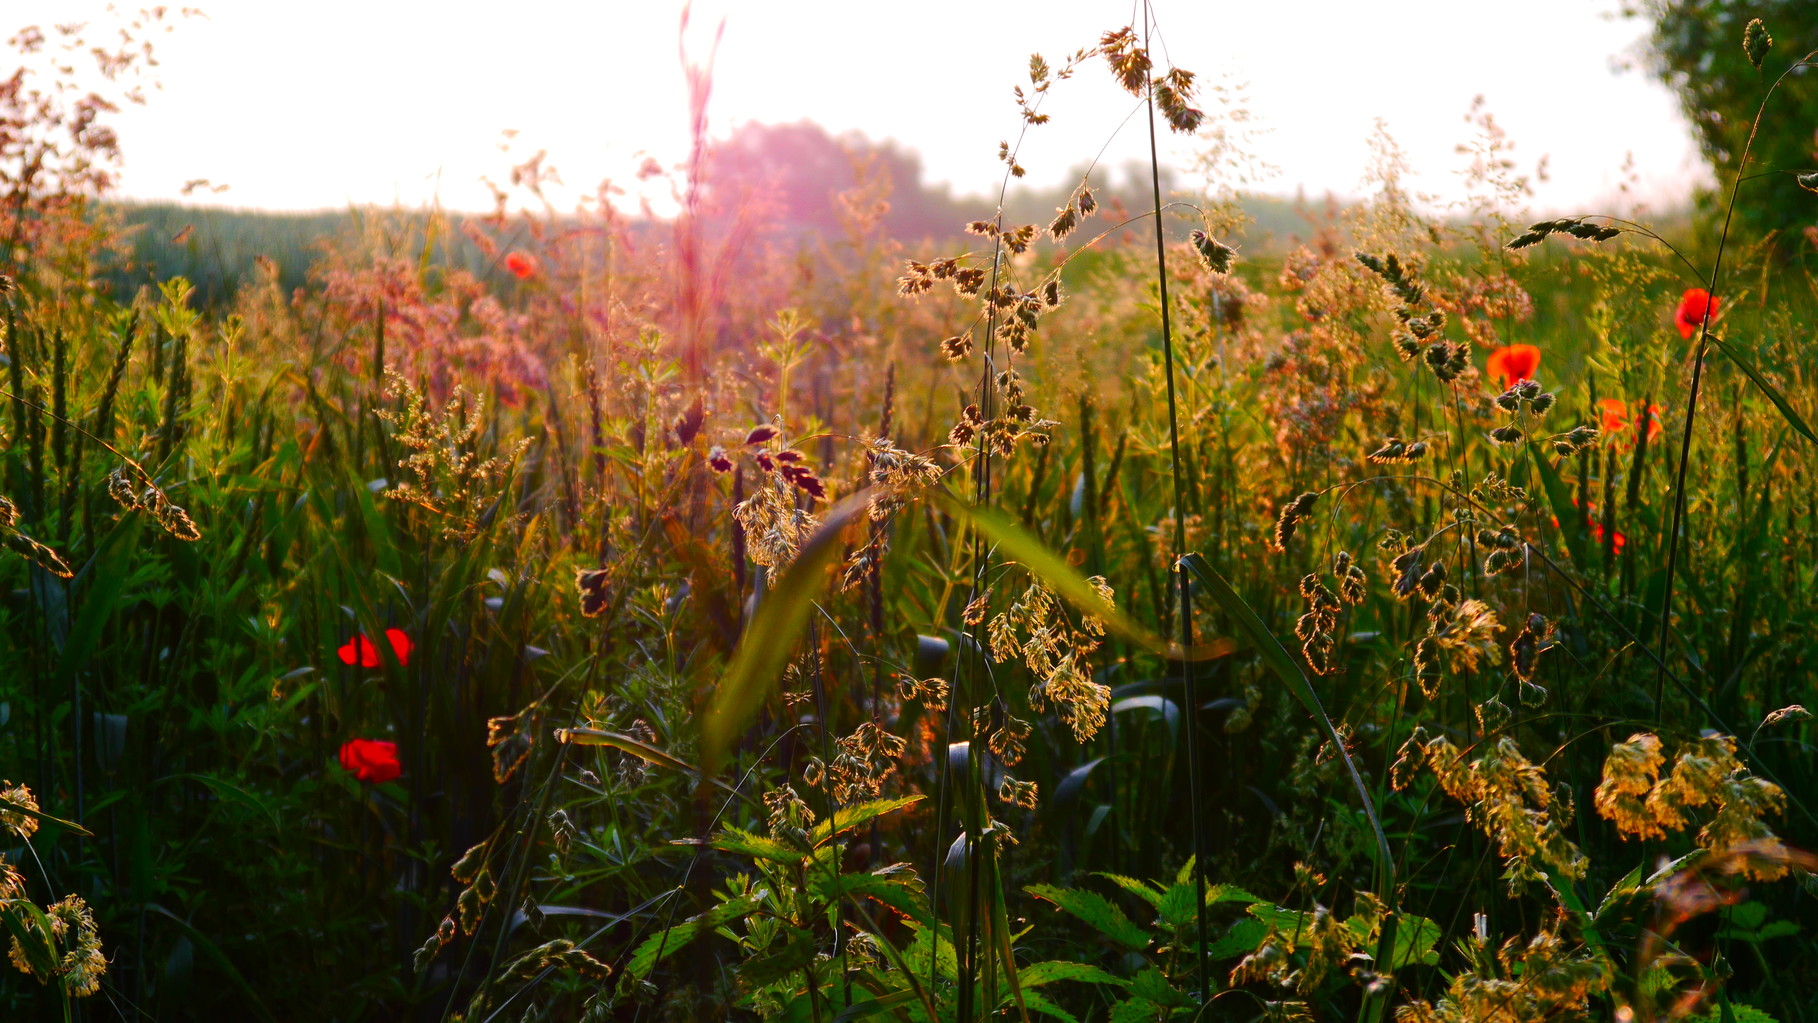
point(1694, 307)
point(360, 650)
point(1512, 364)
point(373, 760)
point(522, 264)
point(1616, 419)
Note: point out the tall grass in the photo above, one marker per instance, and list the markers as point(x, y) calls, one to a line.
point(681, 628)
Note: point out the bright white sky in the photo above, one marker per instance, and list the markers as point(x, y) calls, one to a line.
point(330, 102)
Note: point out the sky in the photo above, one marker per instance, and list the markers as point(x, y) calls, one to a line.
point(319, 105)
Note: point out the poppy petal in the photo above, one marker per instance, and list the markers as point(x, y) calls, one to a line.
point(400, 645)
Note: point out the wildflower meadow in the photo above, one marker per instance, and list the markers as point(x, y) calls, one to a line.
point(1086, 606)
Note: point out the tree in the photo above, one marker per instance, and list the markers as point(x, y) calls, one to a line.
point(1697, 49)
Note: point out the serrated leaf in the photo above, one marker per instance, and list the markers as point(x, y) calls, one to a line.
point(1038, 974)
point(664, 944)
point(903, 894)
point(1095, 910)
point(849, 817)
point(1414, 941)
point(783, 958)
point(1137, 1010)
point(1242, 938)
point(1037, 1001)
point(1141, 889)
point(760, 847)
point(1742, 1013)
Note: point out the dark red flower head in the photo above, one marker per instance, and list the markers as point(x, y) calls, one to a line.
point(361, 651)
point(1695, 306)
point(1512, 365)
point(373, 760)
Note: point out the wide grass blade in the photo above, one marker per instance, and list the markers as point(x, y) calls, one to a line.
point(764, 649)
point(1773, 393)
point(1028, 550)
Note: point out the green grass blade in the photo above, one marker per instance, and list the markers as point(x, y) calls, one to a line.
point(1773, 393)
point(758, 662)
point(1028, 550)
point(213, 954)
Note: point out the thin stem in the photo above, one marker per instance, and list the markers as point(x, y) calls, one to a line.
point(1190, 689)
point(1691, 405)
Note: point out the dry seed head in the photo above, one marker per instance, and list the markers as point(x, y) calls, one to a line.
point(20, 824)
point(1213, 254)
point(1756, 42)
point(121, 488)
point(38, 554)
point(1795, 712)
point(1289, 519)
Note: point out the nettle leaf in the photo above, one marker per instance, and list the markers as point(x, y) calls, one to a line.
point(1143, 890)
point(662, 945)
point(1741, 1014)
point(1137, 1010)
point(902, 893)
point(1287, 921)
point(1038, 974)
point(1415, 940)
point(930, 944)
point(744, 843)
point(1037, 1001)
point(783, 958)
point(1176, 906)
point(858, 814)
point(1242, 938)
point(1095, 910)
point(1152, 985)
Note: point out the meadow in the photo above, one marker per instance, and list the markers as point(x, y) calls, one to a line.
point(1100, 614)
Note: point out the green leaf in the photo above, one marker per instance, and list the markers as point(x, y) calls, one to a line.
point(642, 750)
point(1039, 1002)
point(34, 941)
point(759, 847)
point(1414, 941)
point(1037, 974)
point(12, 807)
point(1559, 496)
point(901, 893)
point(664, 944)
point(1742, 1013)
point(1027, 550)
point(1137, 1010)
point(1177, 908)
point(1242, 938)
point(1141, 889)
point(1276, 656)
point(782, 958)
point(1768, 389)
point(758, 662)
point(1095, 910)
point(849, 817)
